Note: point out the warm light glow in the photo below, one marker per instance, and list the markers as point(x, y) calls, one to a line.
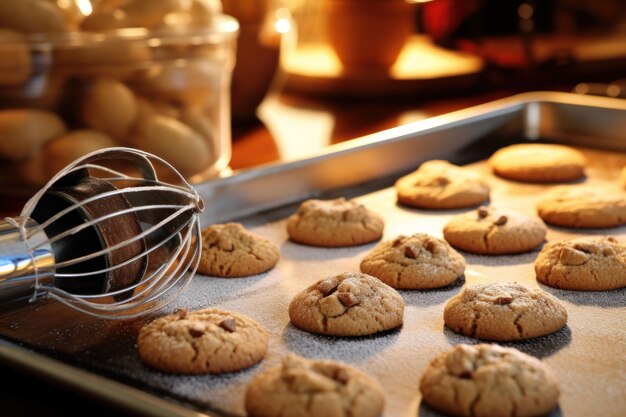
point(419, 59)
point(84, 6)
point(315, 128)
point(282, 25)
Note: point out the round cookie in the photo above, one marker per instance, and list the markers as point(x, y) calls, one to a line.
point(416, 262)
point(489, 231)
point(348, 304)
point(334, 223)
point(504, 312)
point(586, 264)
point(538, 163)
point(313, 388)
point(583, 206)
point(489, 381)
point(229, 250)
point(203, 341)
point(441, 185)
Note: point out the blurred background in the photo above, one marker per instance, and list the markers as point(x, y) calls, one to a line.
point(216, 86)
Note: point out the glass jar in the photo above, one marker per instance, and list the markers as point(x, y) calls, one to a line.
point(162, 90)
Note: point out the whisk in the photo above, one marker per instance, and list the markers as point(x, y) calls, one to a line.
point(108, 243)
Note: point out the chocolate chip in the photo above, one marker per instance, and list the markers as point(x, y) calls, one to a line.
point(410, 252)
point(441, 181)
point(503, 300)
point(182, 313)
point(327, 287)
point(398, 241)
point(432, 246)
point(229, 324)
point(196, 330)
point(501, 221)
point(608, 252)
point(483, 212)
point(341, 375)
point(348, 299)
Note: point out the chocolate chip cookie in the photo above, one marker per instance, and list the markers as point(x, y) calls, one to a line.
point(504, 312)
point(441, 185)
point(489, 381)
point(583, 206)
point(349, 304)
point(538, 163)
point(229, 250)
point(416, 262)
point(586, 264)
point(313, 388)
point(203, 341)
point(490, 231)
point(334, 223)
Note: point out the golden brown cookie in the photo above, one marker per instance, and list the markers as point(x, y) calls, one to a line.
point(349, 304)
point(538, 163)
point(416, 262)
point(313, 388)
point(489, 231)
point(489, 381)
point(203, 341)
point(441, 185)
point(504, 312)
point(334, 223)
point(229, 250)
point(583, 206)
point(586, 264)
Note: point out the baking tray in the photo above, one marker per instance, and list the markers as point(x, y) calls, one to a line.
point(98, 357)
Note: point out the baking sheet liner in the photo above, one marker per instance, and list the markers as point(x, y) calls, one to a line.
point(588, 356)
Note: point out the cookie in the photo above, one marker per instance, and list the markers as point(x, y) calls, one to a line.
point(622, 178)
point(489, 381)
point(441, 185)
point(229, 250)
point(334, 223)
point(504, 312)
point(416, 262)
point(203, 341)
point(348, 304)
point(583, 206)
point(586, 264)
point(489, 231)
point(313, 388)
point(538, 163)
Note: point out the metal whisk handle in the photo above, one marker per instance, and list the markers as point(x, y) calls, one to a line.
point(22, 269)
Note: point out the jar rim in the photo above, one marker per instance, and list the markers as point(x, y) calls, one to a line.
point(222, 28)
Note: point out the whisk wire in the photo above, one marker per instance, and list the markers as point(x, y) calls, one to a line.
point(168, 233)
point(128, 308)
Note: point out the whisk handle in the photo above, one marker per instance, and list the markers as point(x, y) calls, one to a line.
point(23, 268)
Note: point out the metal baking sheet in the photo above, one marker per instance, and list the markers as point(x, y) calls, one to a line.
point(588, 356)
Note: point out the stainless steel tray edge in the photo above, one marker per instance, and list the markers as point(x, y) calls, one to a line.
point(397, 150)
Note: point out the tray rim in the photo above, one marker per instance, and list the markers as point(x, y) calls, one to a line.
point(526, 105)
point(134, 399)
